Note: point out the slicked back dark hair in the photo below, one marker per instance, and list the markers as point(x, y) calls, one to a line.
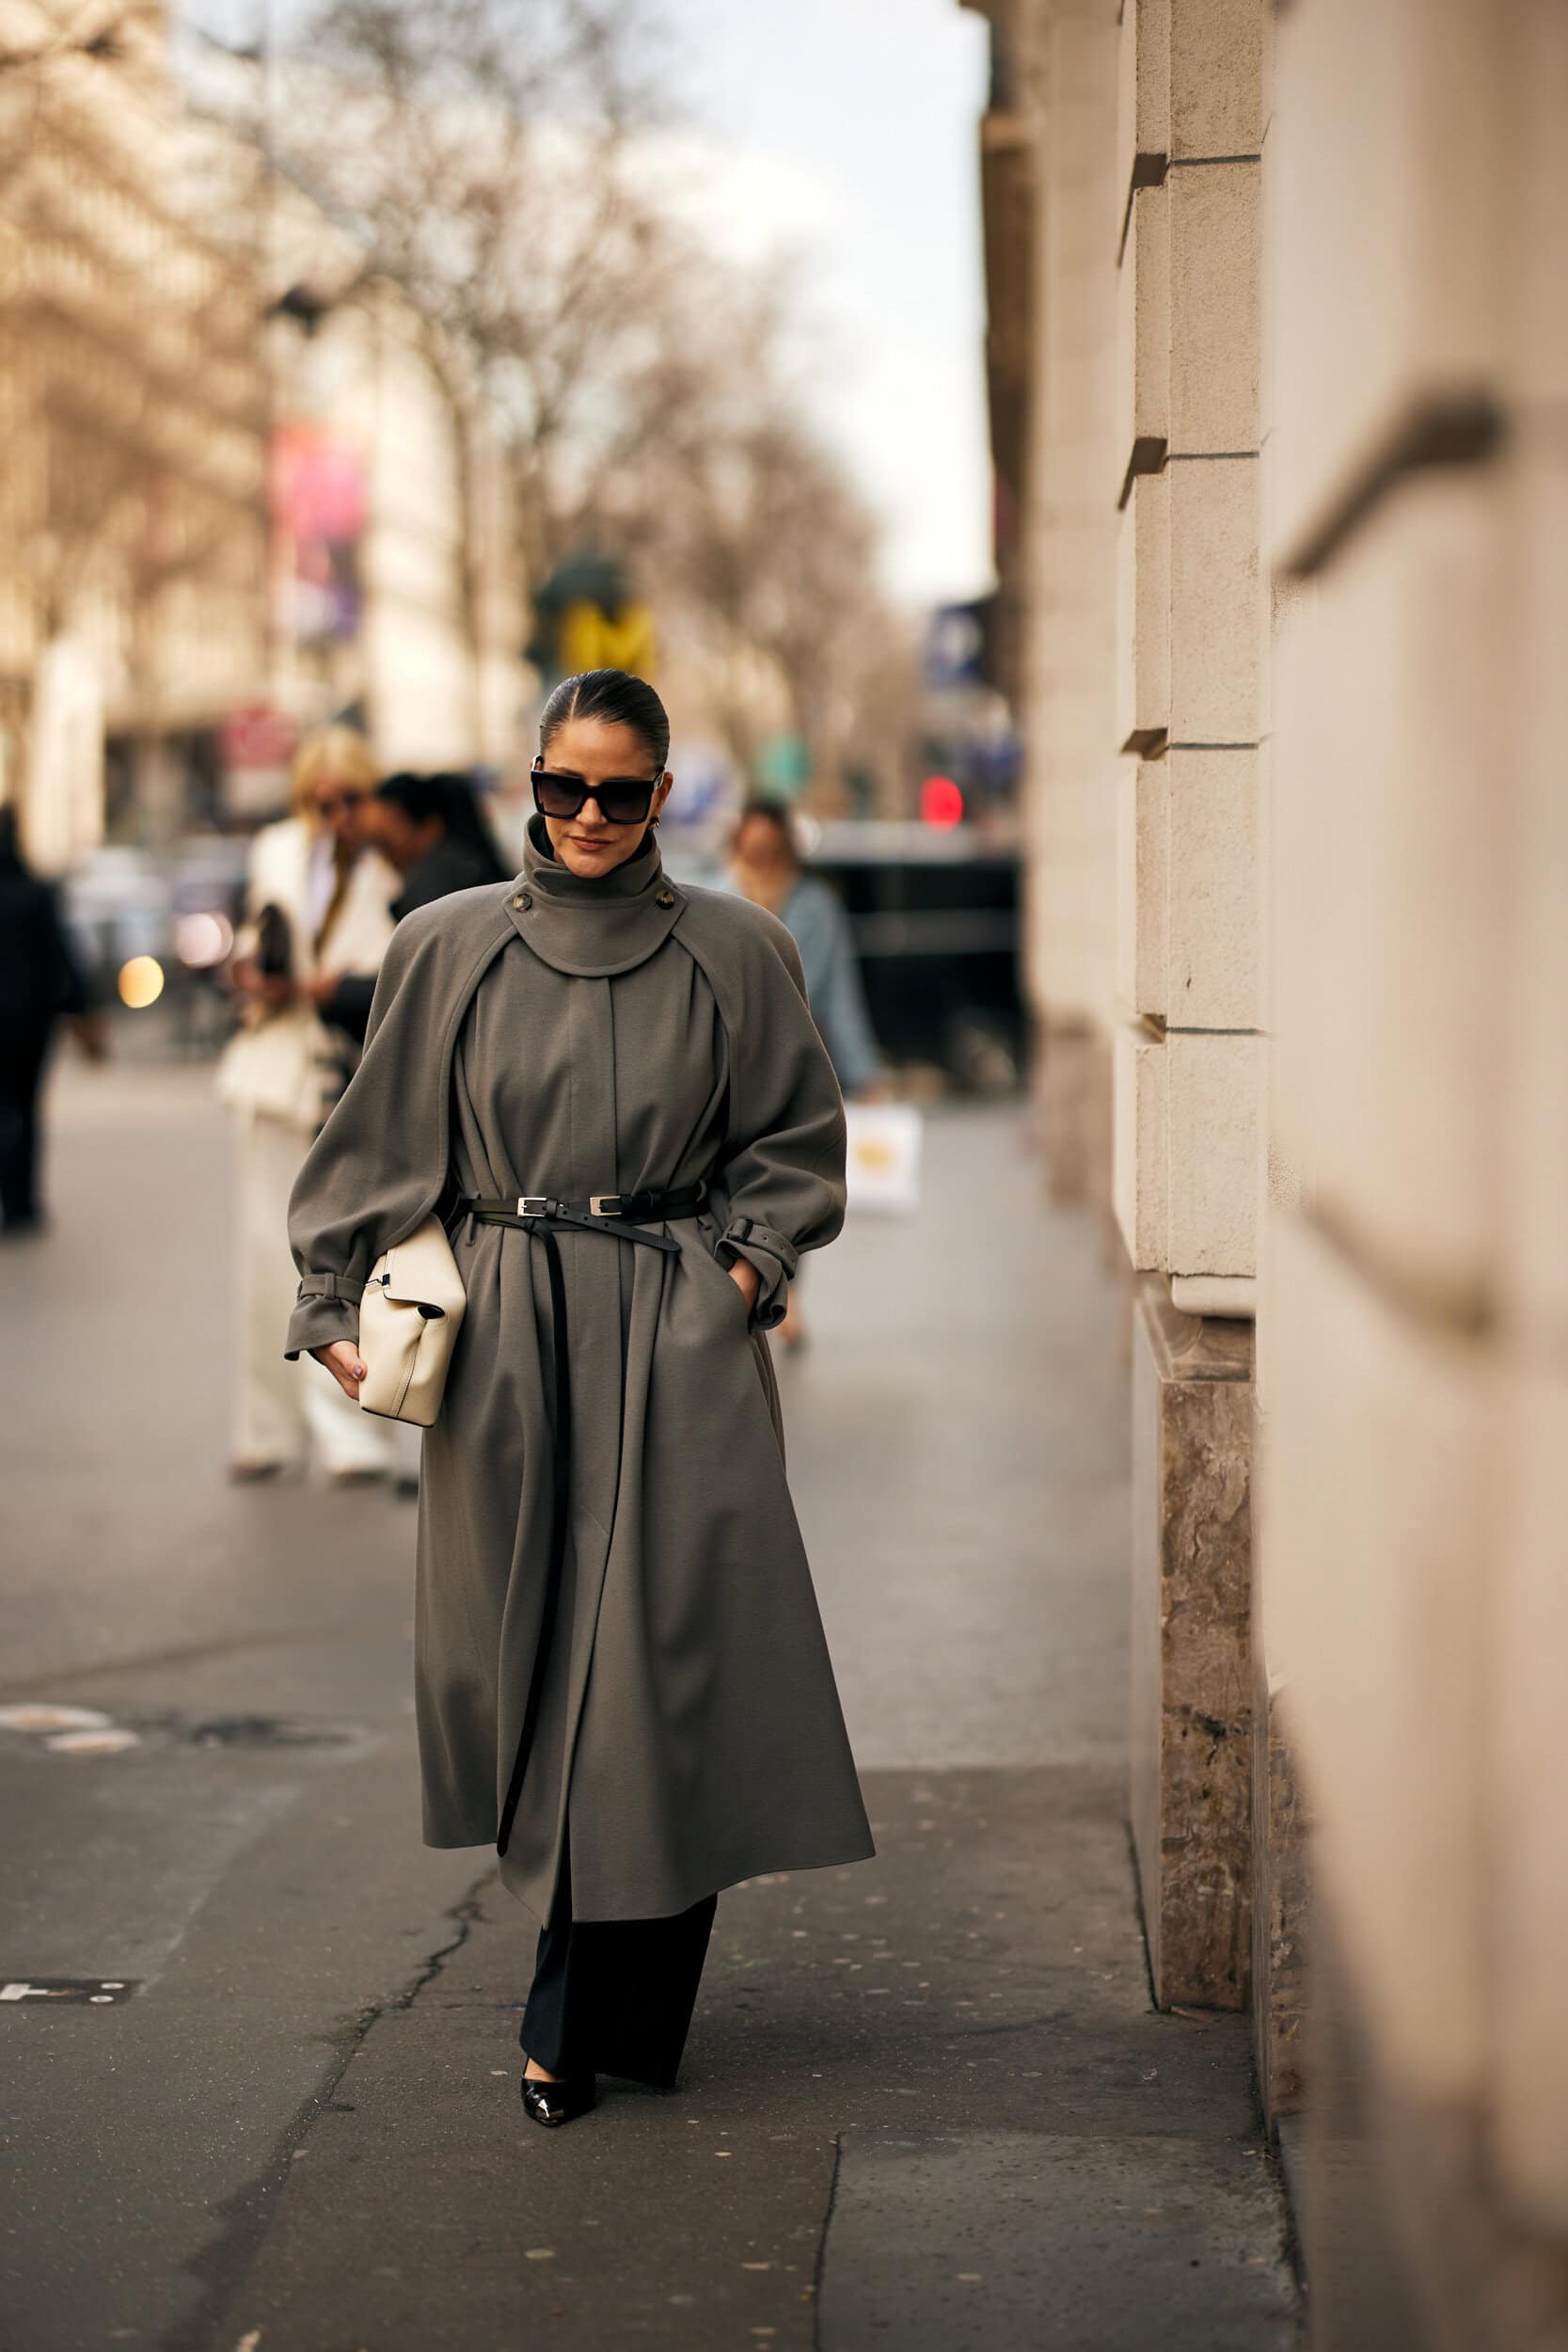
point(617, 698)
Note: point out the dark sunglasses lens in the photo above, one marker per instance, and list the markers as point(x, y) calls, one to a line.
point(556, 795)
point(624, 803)
point(622, 800)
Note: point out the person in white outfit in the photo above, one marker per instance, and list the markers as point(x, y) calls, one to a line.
point(317, 909)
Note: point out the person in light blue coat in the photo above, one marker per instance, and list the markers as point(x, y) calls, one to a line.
point(764, 866)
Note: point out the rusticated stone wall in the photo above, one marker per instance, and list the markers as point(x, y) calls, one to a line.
point(1192, 1694)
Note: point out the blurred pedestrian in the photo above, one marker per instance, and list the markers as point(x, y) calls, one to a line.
point(317, 907)
point(433, 831)
point(41, 982)
point(620, 1672)
point(765, 866)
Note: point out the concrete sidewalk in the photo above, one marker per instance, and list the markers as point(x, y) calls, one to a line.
point(927, 2101)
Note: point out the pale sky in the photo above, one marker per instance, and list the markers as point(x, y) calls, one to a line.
point(846, 131)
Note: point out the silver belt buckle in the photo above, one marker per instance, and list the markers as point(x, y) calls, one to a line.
point(533, 1203)
point(604, 1204)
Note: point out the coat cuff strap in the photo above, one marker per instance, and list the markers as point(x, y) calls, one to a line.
point(775, 1258)
point(323, 1316)
point(332, 1286)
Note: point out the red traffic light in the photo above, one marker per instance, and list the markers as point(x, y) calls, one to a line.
point(940, 802)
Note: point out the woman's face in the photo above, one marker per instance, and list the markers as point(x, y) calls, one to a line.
point(594, 751)
point(338, 808)
point(763, 848)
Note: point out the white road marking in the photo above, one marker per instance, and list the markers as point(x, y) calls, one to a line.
point(42, 1715)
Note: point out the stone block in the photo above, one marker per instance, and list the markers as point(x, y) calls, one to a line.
point(1532, 1228)
point(1142, 954)
point(1143, 86)
point(1391, 235)
point(1527, 1900)
point(1212, 1128)
point(1211, 804)
point(1213, 313)
point(1074, 1094)
point(1232, 1296)
point(1392, 926)
point(1280, 1897)
point(1374, 1473)
point(1139, 1149)
point(1536, 198)
point(1217, 621)
point(1190, 1673)
point(1144, 615)
point(1216, 50)
point(1144, 328)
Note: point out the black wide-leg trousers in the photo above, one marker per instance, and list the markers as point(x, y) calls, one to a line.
point(616, 1996)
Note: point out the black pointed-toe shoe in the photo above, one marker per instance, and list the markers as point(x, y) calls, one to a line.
point(558, 2103)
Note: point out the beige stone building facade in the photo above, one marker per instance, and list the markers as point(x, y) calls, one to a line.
point(180, 326)
point(1283, 385)
point(132, 390)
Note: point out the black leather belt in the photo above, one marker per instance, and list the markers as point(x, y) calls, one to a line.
point(620, 1214)
point(625, 1217)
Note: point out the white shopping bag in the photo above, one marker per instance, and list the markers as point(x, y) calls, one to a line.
point(884, 1158)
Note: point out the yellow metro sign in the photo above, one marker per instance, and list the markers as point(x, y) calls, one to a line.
point(591, 639)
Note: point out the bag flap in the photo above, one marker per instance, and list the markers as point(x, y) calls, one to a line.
point(422, 1272)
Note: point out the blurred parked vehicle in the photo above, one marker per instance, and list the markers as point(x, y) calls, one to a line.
point(153, 932)
point(934, 914)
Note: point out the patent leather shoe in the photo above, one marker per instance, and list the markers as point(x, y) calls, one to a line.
point(557, 2103)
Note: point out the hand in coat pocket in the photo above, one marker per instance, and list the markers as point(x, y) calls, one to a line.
point(748, 1282)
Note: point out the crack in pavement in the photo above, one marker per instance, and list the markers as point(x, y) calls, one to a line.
point(245, 2217)
point(821, 2263)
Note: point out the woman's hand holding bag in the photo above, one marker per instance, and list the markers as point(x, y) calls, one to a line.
point(346, 1365)
point(409, 1318)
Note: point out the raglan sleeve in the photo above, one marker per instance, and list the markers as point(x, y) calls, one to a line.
point(782, 1167)
point(378, 1164)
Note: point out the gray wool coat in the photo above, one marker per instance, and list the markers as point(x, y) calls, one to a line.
point(572, 1036)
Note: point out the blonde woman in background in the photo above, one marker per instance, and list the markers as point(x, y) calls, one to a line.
point(317, 909)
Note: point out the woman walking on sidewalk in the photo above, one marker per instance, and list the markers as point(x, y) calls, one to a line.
point(612, 1088)
point(315, 908)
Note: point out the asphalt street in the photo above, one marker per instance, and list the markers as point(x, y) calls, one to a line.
point(260, 2046)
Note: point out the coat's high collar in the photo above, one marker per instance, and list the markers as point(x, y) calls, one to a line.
point(593, 925)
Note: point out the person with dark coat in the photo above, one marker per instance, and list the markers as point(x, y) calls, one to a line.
point(41, 983)
point(612, 1088)
point(432, 830)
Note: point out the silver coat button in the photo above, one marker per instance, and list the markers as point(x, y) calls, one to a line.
point(524, 898)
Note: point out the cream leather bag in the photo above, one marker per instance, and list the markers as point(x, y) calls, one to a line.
point(409, 1319)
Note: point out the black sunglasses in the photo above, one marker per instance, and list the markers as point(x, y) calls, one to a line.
point(623, 800)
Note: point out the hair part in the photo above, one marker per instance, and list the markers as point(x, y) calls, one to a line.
point(617, 698)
